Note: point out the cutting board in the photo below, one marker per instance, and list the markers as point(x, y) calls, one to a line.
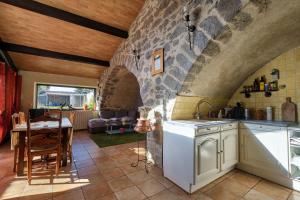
point(288, 111)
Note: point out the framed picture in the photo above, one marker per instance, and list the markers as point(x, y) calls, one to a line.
point(157, 62)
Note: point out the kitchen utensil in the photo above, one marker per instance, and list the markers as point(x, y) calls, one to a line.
point(288, 110)
point(259, 114)
point(247, 114)
point(269, 112)
point(238, 112)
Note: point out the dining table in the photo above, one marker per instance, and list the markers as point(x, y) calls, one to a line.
point(22, 129)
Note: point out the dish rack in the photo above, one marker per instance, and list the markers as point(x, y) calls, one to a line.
point(294, 144)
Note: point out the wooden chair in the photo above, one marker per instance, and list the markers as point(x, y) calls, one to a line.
point(44, 142)
point(14, 136)
point(72, 120)
point(22, 118)
point(16, 118)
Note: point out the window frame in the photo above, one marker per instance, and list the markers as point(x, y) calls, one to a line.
point(61, 85)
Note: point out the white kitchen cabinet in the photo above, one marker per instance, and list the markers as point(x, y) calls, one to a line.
point(264, 148)
point(207, 161)
point(195, 153)
point(215, 153)
point(229, 148)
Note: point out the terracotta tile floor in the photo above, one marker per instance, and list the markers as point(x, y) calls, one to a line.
point(105, 173)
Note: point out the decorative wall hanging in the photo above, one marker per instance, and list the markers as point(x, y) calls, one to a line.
point(157, 62)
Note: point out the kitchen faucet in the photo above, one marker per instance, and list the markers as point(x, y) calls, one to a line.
point(198, 114)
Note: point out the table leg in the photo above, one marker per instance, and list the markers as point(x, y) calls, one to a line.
point(64, 146)
point(20, 167)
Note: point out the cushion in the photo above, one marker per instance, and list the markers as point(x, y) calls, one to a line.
point(114, 119)
point(96, 123)
point(106, 113)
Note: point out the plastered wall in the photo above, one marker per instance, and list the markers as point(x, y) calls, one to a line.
point(289, 66)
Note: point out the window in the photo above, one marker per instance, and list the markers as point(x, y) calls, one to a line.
point(56, 96)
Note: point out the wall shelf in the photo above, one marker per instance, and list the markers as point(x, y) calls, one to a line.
point(243, 92)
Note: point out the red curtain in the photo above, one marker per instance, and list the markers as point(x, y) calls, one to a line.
point(18, 93)
point(2, 102)
point(8, 80)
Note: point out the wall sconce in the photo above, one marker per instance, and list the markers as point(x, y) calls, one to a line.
point(137, 57)
point(188, 23)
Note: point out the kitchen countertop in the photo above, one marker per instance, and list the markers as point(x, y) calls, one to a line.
point(216, 122)
point(270, 123)
point(202, 122)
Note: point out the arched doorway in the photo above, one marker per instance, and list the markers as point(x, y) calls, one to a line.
point(121, 91)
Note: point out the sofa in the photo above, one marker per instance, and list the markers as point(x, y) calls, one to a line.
point(113, 119)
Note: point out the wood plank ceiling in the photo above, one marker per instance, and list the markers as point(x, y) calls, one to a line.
point(28, 28)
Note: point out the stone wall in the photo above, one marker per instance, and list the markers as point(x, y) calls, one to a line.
point(119, 89)
point(260, 32)
point(227, 34)
point(160, 25)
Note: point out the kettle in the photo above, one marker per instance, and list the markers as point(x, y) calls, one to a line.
point(238, 112)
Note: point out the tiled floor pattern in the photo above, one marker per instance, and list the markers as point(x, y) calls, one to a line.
point(106, 174)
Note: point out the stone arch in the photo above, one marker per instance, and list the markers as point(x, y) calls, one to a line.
point(251, 39)
point(120, 90)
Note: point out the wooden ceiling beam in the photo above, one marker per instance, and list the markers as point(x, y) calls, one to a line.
point(66, 16)
point(51, 54)
point(6, 58)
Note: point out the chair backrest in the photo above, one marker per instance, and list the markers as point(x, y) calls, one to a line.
point(36, 112)
point(15, 119)
point(45, 131)
point(22, 118)
point(72, 117)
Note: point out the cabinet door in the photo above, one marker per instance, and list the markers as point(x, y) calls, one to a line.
point(267, 150)
point(229, 148)
point(207, 159)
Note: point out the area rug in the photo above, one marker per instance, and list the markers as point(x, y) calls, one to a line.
point(105, 140)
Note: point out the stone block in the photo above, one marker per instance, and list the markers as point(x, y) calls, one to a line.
point(212, 49)
point(200, 40)
point(170, 82)
point(212, 26)
point(228, 8)
point(225, 34)
point(241, 20)
point(183, 62)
